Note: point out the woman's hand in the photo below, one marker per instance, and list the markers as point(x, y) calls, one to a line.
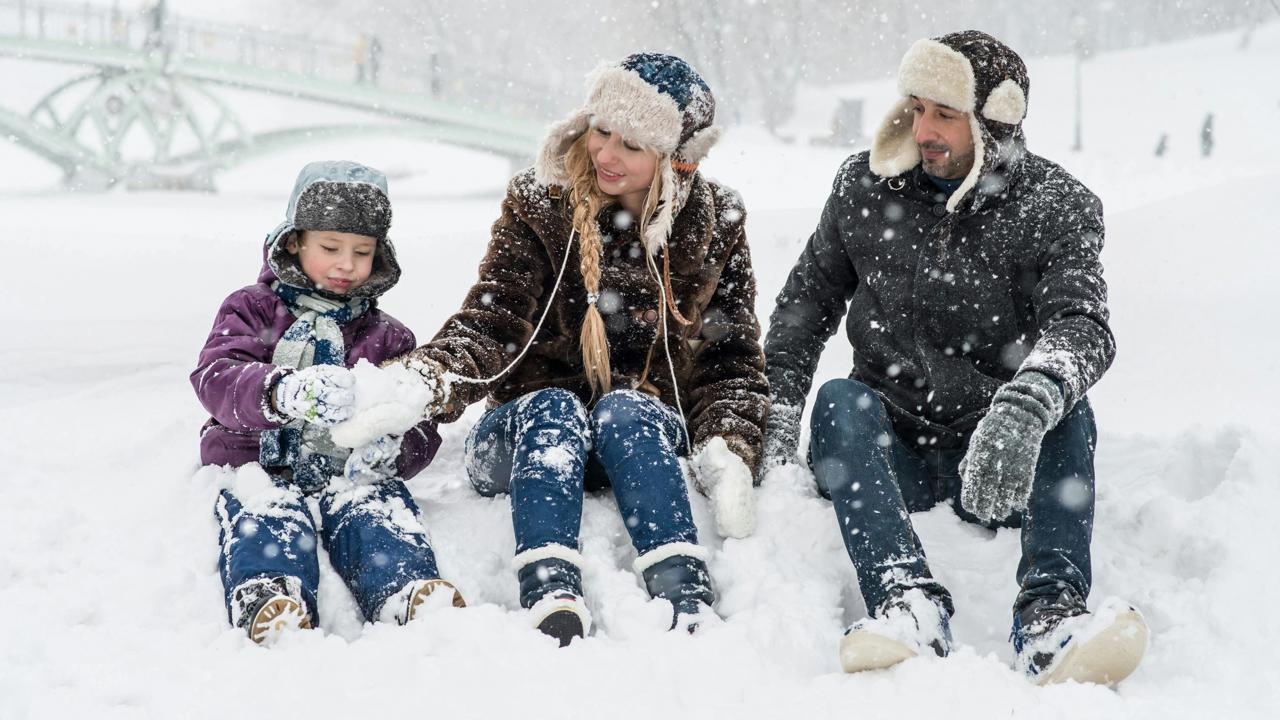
point(436, 380)
point(723, 476)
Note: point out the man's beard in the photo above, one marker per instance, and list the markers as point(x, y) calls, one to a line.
point(951, 166)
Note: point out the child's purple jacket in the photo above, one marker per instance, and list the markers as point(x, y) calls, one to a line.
point(235, 376)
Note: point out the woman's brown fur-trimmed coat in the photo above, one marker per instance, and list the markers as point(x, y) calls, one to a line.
point(718, 359)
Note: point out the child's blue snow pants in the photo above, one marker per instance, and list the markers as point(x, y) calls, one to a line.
point(374, 537)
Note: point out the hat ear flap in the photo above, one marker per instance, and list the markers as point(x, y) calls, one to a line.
point(699, 144)
point(1006, 104)
point(549, 167)
point(659, 228)
point(893, 149)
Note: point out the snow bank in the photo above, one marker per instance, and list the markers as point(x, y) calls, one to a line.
point(110, 602)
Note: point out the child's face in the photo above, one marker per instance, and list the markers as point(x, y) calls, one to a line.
point(335, 261)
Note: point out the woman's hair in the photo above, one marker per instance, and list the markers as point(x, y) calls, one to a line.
point(586, 199)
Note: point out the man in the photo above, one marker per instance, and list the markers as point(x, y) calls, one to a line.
point(977, 313)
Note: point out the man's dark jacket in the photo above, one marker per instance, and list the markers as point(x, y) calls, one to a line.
point(943, 307)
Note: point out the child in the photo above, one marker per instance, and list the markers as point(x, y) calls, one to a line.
point(273, 374)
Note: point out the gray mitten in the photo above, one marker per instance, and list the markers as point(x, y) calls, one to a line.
point(781, 436)
point(1000, 465)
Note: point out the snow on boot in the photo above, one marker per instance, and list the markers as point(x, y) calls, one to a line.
point(266, 608)
point(416, 596)
point(906, 625)
point(677, 573)
point(1058, 639)
point(551, 590)
point(561, 615)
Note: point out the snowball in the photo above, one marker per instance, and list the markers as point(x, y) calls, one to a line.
point(389, 401)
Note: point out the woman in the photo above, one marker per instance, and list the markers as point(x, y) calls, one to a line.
point(613, 330)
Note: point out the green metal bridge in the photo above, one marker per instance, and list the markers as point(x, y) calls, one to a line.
point(147, 112)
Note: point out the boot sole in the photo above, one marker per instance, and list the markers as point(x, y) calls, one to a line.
point(278, 615)
point(861, 651)
point(1106, 658)
point(428, 588)
point(563, 624)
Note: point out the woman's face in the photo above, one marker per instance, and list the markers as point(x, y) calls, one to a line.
point(623, 169)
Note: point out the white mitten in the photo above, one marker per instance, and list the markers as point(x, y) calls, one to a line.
point(726, 480)
point(375, 462)
point(319, 394)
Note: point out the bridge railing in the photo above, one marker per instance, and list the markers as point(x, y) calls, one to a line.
point(362, 61)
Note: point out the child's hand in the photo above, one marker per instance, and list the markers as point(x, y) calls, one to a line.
point(375, 462)
point(319, 394)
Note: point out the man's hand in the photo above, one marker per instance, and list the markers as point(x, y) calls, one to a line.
point(1000, 466)
point(320, 394)
point(781, 437)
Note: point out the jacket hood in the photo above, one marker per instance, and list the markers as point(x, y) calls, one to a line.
point(341, 196)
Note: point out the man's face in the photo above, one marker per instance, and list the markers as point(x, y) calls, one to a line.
point(943, 135)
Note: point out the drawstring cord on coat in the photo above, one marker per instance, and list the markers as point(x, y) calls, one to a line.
point(666, 341)
point(668, 301)
point(663, 280)
point(537, 328)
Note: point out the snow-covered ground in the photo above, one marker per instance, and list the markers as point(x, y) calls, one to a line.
point(110, 603)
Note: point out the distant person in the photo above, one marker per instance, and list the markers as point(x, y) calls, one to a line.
point(361, 56)
point(968, 268)
point(273, 374)
point(374, 59)
point(612, 331)
point(1206, 136)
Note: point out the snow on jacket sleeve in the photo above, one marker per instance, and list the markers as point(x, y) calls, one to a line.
point(808, 312)
point(234, 376)
point(419, 445)
point(1076, 345)
point(728, 386)
point(496, 318)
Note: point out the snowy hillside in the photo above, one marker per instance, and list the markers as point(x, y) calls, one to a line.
point(110, 602)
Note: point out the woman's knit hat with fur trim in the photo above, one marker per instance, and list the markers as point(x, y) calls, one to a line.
point(656, 100)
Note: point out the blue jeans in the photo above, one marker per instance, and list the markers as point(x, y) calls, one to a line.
point(546, 449)
point(875, 480)
point(373, 535)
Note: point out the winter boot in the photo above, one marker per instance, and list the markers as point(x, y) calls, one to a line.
point(268, 607)
point(678, 574)
point(1058, 639)
point(907, 624)
point(551, 590)
point(405, 605)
